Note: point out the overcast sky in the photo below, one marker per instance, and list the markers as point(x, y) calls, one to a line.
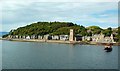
point(21, 13)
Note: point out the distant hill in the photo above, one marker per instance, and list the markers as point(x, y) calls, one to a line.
point(59, 28)
point(52, 28)
point(3, 33)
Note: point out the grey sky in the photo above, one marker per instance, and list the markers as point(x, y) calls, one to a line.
point(16, 14)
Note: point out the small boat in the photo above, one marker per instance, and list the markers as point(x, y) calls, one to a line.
point(108, 47)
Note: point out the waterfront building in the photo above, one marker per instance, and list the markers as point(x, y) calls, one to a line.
point(33, 36)
point(103, 39)
point(13, 37)
point(9, 36)
point(109, 39)
point(16, 36)
point(64, 37)
point(71, 37)
point(98, 38)
point(28, 37)
point(19, 37)
point(86, 38)
point(78, 38)
point(55, 37)
point(24, 37)
point(36, 36)
point(47, 37)
point(40, 37)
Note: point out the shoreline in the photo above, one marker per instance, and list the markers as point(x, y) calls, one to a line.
point(38, 40)
point(56, 41)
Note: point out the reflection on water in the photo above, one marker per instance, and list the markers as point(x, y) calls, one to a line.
point(32, 55)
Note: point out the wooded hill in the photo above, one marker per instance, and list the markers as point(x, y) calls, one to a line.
point(59, 28)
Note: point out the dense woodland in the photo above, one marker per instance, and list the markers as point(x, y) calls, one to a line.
point(61, 28)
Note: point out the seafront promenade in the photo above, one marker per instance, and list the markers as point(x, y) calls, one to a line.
point(57, 41)
point(49, 41)
point(98, 39)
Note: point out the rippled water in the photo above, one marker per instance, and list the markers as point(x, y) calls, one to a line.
point(34, 55)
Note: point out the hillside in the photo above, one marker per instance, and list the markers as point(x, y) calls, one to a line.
point(59, 28)
point(53, 28)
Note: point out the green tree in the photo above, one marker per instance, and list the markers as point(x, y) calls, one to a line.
point(107, 32)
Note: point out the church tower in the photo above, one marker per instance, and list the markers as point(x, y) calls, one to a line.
point(71, 37)
point(101, 36)
point(112, 38)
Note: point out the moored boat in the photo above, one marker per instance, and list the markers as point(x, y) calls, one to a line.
point(108, 47)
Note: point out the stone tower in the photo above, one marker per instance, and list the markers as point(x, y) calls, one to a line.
point(112, 38)
point(71, 37)
point(102, 36)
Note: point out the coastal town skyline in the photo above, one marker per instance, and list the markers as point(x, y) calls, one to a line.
point(59, 34)
point(102, 14)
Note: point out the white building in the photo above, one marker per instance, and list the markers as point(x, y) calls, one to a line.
point(28, 37)
point(47, 37)
point(64, 37)
point(16, 36)
point(86, 38)
point(24, 37)
point(19, 37)
point(9, 36)
point(40, 37)
point(13, 36)
point(102, 38)
point(55, 37)
point(32, 36)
